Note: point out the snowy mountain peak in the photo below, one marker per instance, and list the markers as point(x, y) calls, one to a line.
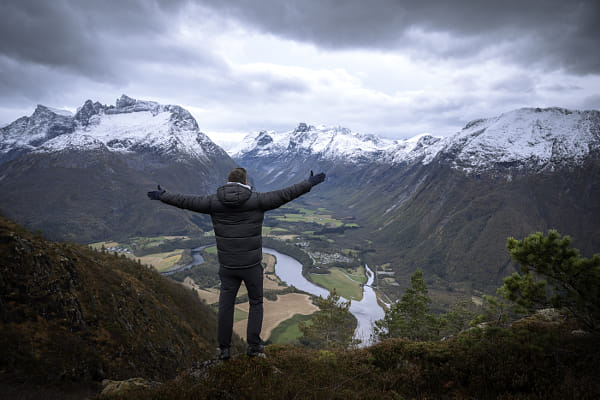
point(302, 127)
point(42, 111)
point(527, 137)
point(324, 141)
point(129, 126)
point(337, 144)
point(524, 138)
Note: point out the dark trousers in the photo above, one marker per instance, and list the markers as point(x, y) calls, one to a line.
point(231, 280)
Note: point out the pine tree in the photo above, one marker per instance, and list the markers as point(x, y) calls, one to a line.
point(496, 312)
point(572, 282)
point(457, 319)
point(410, 317)
point(332, 326)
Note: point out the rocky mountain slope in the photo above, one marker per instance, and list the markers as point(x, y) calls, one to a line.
point(70, 313)
point(447, 205)
point(84, 177)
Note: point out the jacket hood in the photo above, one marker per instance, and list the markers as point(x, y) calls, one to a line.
point(233, 194)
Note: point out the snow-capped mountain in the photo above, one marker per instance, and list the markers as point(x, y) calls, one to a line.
point(334, 143)
point(132, 126)
point(93, 169)
point(535, 138)
point(448, 204)
point(526, 138)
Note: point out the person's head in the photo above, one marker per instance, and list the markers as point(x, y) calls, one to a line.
point(237, 175)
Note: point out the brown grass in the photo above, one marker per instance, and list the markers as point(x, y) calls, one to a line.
point(162, 261)
point(209, 295)
point(275, 312)
point(269, 261)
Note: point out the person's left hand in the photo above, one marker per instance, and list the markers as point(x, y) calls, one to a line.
point(155, 195)
point(316, 179)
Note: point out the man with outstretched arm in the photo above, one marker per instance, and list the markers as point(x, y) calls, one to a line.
point(237, 215)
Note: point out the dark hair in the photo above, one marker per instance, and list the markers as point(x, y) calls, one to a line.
point(237, 175)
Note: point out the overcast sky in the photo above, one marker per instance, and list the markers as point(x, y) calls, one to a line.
point(391, 67)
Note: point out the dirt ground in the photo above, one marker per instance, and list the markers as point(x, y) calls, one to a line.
point(210, 296)
point(275, 312)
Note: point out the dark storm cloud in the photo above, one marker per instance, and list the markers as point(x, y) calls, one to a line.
point(94, 38)
point(550, 34)
point(465, 59)
point(81, 36)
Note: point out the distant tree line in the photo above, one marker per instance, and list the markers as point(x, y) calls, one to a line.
point(339, 230)
point(174, 244)
point(205, 275)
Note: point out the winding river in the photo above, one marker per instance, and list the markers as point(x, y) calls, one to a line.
point(366, 311)
point(289, 270)
point(197, 259)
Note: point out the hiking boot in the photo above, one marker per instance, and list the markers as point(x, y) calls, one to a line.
point(256, 351)
point(225, 354)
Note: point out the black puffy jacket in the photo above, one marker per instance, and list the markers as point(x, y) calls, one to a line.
point(237, 215)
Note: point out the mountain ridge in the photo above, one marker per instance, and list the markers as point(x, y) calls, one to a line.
point(84, 177)
point(524, 137)
point(129, 126)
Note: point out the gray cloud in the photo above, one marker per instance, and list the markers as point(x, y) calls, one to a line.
point(592, 102)
point(478, 59)
point(516, 83)
point(85, 37)
point(550, 34)
point(64, 51)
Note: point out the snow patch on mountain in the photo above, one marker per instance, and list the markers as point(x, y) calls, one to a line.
point(130, 126)
point(328, 142)
point(337, 144)
point(526, 138)
point(422, 147)
point(59, 111)
point(118, 132)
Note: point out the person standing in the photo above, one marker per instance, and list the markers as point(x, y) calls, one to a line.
point(237, 215)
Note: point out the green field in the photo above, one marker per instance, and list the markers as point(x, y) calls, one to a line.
point(288, 332)
point(299, 214)
point(352, 253)
point(239, 315)
point(210, 250)
point(358, 274)
point(342, 281)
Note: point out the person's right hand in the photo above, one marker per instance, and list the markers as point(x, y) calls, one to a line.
point(316, 179)
point(155, 195)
